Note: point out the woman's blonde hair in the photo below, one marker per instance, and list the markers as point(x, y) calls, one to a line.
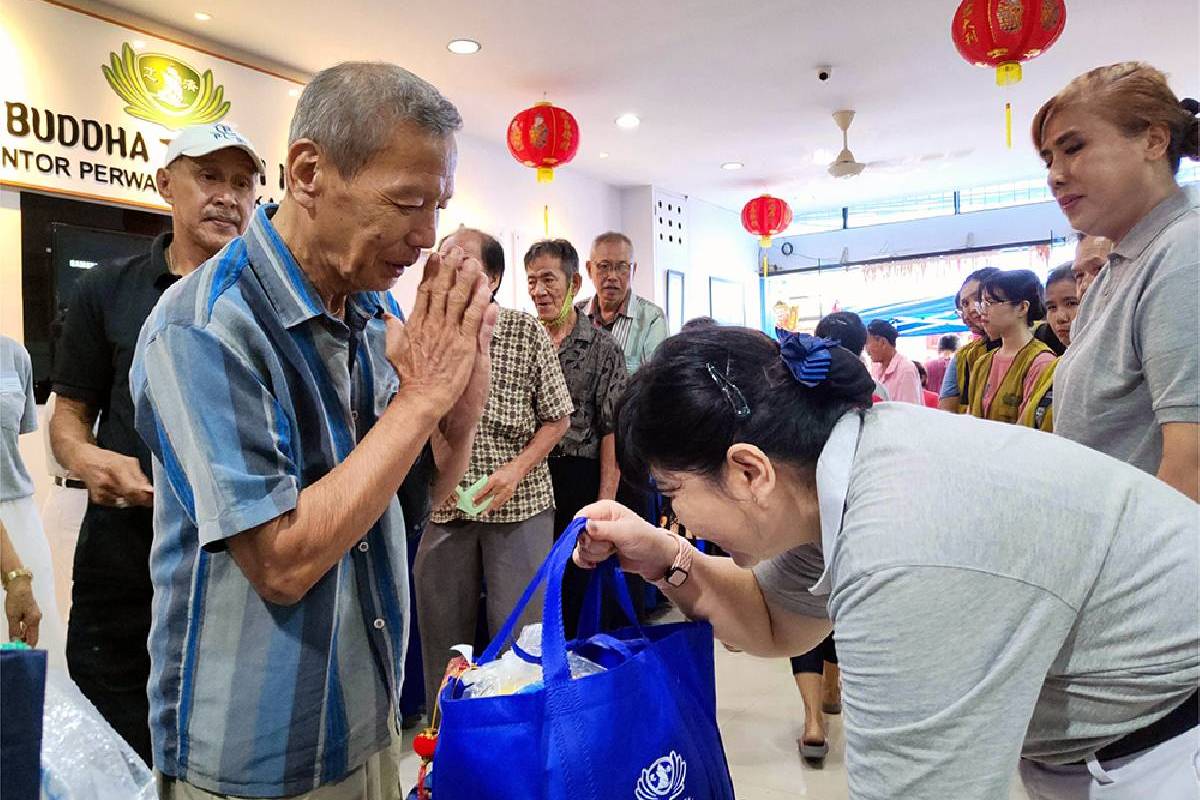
point(1132, 96)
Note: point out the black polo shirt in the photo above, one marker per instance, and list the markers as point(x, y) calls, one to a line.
point(92, 363)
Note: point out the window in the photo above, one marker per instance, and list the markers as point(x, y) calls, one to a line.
point(1003, 195)
point(816, 222)
point(901, 209)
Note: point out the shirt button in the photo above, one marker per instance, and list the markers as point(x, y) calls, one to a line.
point(354, 416)
point(378, 624)
point(363, 547)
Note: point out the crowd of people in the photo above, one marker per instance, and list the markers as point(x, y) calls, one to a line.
point(288, 477)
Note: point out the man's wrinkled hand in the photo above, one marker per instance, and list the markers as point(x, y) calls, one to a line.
point(435, 352)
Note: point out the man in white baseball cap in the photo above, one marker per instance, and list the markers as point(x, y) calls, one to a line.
point(208, 179)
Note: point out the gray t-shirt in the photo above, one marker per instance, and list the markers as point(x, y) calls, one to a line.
point(1054, 612)
point(1134, 359)
point(18, 414)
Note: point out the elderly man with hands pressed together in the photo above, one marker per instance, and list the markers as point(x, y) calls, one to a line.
point(208, 178)
point(285, 403)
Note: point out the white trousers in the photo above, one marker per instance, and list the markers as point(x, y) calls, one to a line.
point(62, 515)
point(24, 526)
point(1170, 771)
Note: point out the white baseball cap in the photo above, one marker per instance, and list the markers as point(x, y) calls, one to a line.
point(200, 140)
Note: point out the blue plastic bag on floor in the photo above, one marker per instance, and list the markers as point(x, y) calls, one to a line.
point(644, 729)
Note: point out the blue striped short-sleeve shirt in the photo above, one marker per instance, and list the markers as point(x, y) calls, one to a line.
point(247, 391)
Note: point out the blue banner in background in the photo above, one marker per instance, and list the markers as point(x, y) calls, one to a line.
point(929, 317)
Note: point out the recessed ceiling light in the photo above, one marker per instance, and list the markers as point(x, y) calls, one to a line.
point(202, 16)
point(138, 44)
point(603, 155)
point(293, 92)
point(731, 165)
point(463, 47)
point(628, 121)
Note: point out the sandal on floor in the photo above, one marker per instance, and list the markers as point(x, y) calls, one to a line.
point(813, 751)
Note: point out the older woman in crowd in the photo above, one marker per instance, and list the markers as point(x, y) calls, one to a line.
point(1112, 141)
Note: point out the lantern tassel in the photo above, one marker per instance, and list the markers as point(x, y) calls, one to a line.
point(546, 221)
point(1008, 125)
point(766, 267)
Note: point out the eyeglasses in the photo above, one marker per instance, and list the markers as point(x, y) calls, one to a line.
point(741, 409)
point(984, 305)
point(617, 268)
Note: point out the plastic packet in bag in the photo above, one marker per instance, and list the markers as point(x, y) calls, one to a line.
point(83, 758)
point(511, 674)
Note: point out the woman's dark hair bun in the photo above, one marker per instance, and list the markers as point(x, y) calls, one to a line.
point(1190, 146)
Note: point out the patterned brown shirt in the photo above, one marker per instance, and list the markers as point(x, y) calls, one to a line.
point(594, 366)
point(527, 390)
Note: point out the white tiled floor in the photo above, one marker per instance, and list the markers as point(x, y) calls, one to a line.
point(761, 717)
point(760, 714)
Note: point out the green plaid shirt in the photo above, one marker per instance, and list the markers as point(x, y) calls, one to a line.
point(527, 391)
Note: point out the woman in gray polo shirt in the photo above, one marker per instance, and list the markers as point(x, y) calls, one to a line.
point(1129, 386)
point(1050, 620)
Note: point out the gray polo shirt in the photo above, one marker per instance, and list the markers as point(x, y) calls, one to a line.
point(1134, 359)
point(1054, 614)
point(18, 415)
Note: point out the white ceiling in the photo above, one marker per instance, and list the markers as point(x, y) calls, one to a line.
point(716, 81)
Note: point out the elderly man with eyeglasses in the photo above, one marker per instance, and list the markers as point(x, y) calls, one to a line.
point(638, 325)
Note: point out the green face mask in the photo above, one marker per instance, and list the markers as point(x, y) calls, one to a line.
point(564, 312)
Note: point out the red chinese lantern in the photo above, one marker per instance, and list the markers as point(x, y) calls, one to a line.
point(766, 216)
point(1003, 33)
point(543, 137)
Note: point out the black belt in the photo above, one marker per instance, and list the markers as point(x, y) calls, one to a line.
point(1182, 719)
point(70, 483)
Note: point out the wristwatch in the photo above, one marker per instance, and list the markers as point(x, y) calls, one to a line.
point(681, 567)
point(9, 577)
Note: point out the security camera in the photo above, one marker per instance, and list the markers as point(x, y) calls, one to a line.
point(823, 73)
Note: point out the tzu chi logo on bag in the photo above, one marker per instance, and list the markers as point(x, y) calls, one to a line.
point(665, 779)
point(164, 90)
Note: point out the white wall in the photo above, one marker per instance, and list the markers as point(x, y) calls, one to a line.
point(637, 222)
point(719, 248)
point(496, 194)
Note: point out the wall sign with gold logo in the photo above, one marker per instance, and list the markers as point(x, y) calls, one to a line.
point(89, 105)
point(164, 89)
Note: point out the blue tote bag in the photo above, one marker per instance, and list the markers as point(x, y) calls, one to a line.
point(644, 729)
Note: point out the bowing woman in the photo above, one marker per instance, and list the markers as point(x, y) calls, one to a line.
point(1045, 622)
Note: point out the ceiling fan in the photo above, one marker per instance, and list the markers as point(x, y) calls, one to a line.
point(847, 166)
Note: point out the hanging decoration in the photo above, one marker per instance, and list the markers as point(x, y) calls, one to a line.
point(1003, 33)
point(543, 137)
point(766, 216)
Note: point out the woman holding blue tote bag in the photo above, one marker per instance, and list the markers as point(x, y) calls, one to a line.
point(1043, 617)
point(645, 728)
